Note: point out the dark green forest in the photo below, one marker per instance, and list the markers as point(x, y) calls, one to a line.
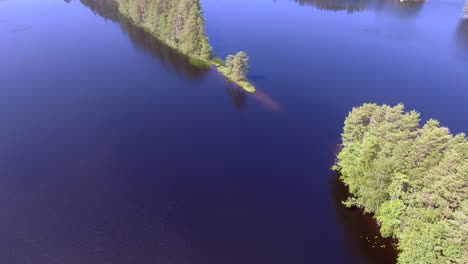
point(108, 9)
point(179, 23)
point(413, 179)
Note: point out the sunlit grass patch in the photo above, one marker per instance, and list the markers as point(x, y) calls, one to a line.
point(218, 61)
point(244, 84)
point(199, 63)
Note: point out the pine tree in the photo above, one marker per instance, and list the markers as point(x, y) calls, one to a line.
point(204, 47)
point(189, 36)
point(152, 16)
point(237, 66)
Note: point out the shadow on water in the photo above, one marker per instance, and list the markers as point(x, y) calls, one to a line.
point(361, 231)
point(395, 7)
point(142, 39)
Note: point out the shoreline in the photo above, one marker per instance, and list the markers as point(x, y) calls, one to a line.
point(198, 62)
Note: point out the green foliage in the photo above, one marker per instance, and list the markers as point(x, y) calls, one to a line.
point(413, 178)
point(237, 65)
point(218, 61)
point(389, 215)
point(422, 243)
point(179, 23)
point(235, 69)
point(244, 84)
point(453, 252)
point(398, 185)
point(199, 63)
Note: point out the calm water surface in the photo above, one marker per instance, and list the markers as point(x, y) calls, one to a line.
point(114, 150)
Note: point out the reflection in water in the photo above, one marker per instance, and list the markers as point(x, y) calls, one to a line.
point(362, 232)
point(465, 10)
point(239, 99)
point(268, 102)
point(462, 34)
point(237, 95)
point(404, 9)
point(336, 5)
point(108, 9)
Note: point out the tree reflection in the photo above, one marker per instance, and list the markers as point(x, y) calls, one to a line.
point(349, 6)
point(238, 96)
point(108, 9)
point(462, 34)
point(398, 8)
point(465, 10)
point(404, 9)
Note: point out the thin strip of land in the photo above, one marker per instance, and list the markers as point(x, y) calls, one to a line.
point(180, 25)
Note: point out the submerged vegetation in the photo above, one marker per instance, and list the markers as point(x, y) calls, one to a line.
point(180, 24)
point(414, 179)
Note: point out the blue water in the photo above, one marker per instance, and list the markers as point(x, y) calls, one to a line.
point(113, 149)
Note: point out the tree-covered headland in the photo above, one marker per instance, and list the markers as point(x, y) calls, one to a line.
point(413, 179)
point(180, 24)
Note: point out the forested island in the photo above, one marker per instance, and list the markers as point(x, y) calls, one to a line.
point(413, 179)
point(180, 25)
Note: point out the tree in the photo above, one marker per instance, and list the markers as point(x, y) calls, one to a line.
point(204, 46)
point(237, 66)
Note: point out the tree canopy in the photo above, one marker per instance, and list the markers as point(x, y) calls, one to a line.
point(179, 23)
point(237, 66)
point(414, 179)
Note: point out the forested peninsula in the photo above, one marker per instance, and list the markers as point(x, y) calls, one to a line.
point(413, 179)
point(180, 25)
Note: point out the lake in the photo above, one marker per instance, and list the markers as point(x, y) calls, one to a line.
point(114, 149)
